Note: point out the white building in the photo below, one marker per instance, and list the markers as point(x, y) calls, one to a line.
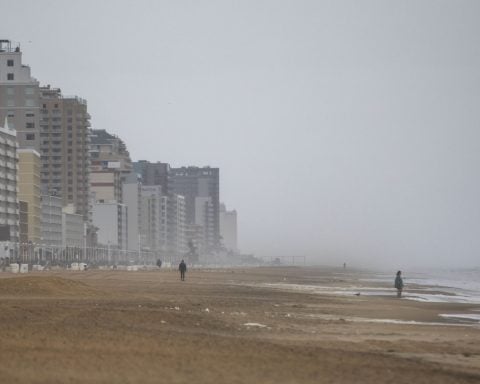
point(51, 220)
point(228, 228)
point(205, 217)
point(73, 228)
point(111, 219)
point(176, 226)
point(9, 211)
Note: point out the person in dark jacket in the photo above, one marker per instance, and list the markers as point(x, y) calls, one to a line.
point(182, 267)
point(399, 283)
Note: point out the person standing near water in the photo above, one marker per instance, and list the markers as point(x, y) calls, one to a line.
point(182, 267)
point(399, 283)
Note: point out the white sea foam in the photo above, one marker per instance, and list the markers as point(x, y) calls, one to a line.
point(466, 316)
point(255, 325)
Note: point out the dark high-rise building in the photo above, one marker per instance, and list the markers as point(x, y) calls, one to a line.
point(153, 173)
point(201, 189)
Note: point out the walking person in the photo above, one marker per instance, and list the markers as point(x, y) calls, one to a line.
point(399, 283)
point(182, 267)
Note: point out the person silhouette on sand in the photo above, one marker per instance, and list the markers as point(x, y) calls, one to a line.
point(399, 283)
point(182, 267)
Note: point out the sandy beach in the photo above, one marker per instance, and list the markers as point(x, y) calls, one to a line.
point(225, 326)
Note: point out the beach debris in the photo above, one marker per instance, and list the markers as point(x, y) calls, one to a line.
point(206, 310)
point(357, 294)
point(163, 322)
point(288, 315)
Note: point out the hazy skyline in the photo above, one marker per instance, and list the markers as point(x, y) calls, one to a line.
point(343, 130)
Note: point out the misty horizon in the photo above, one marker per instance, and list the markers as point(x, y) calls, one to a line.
point(344, 131)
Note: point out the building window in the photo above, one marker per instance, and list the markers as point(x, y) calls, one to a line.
point(29, 91)
point(30, 125)
point(29, 114)
point(30, 136)
point(9, 63)
point(10, 76)
point(10, 91)
point(55, 106)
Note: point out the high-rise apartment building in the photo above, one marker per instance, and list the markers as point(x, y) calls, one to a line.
point(9, 210)
point(19, 96)
point(201, 189)
point(110, 165)
point(64, 147)
point(29, 190)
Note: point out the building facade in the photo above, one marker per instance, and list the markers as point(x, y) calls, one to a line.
point(29, 190)
point(64, 148)
point(153, 219)
point(51, 220)
point(9, 210)
point(19, 96)
point(23, 222)
point(110, 165)
point(176, 226)
point(73, 228)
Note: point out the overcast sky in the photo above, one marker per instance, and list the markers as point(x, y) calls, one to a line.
point(344, 130)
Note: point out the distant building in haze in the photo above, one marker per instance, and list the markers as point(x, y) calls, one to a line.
point(201, 189)
point(228, 228)
point(111, 220)
point(131, 197)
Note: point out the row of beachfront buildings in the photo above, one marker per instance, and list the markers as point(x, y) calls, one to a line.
point(63, 183)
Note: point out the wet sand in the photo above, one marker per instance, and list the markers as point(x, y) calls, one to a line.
point(223, 326)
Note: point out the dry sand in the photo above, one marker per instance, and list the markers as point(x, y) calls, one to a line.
point(222, 326)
